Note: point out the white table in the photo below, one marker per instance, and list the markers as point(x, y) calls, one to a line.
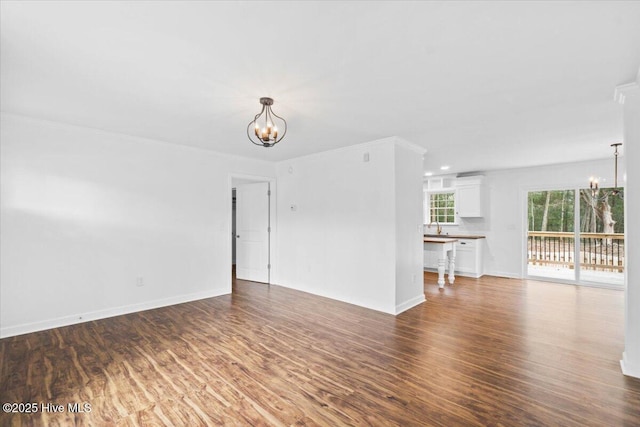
point(446, 249)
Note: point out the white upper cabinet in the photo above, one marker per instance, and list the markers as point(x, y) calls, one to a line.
point(471, 196)
point(440, 184)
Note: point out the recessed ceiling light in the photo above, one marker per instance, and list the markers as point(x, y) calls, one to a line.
point(428, 173)
point(444, 168)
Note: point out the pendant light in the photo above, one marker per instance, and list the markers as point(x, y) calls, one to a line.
point(267, 128)
point(615, 176)
point(594, 183)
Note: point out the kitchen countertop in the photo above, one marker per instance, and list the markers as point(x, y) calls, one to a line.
point(455, 236)
point(443, 239)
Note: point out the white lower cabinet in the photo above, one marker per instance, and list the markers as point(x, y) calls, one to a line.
point(430, 260)
point(468, 258)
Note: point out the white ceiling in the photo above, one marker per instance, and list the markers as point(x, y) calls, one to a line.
point(481, 85)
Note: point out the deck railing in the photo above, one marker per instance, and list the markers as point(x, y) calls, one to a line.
point(598, 251)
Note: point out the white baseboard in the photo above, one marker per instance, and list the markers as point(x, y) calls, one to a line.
point(26, 328)
point(507, 274)
point(410, 303)
point(335, 298)
point(628, 368)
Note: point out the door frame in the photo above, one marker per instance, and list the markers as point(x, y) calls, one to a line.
point(239, 178)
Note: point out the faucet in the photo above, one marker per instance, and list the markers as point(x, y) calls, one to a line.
point(438, 227)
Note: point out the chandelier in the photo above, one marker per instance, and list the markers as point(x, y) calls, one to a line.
point(594, 183)
point(263, 129)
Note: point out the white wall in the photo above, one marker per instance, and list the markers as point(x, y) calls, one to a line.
point(87, 214)
point(339, 240)
point(505, 224)
point(409, 243)
point(84, 213)
point(337, 225)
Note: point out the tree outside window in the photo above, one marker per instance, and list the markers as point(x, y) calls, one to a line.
point(441, 208)
point(602, 212)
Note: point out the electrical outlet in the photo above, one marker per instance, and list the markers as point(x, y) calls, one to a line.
point(140, 281)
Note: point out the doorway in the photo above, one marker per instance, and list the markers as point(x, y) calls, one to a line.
point(251, 229)
point(576, 236)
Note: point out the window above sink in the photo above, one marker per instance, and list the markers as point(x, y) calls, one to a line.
point(440, 207)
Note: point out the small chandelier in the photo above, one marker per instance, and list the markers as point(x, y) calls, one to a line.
point(594, 183)
point(263, 130)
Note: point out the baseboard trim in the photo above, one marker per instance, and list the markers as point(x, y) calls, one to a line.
point(628, 368)
point(507, 274)
point(74, 319)
point(410, 304)
point(331, 296)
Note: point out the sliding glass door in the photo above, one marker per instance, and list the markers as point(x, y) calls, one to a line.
point(601, 245)
point(576, 236)
point(551, 236)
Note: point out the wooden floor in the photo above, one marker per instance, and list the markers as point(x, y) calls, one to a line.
point(487, 351)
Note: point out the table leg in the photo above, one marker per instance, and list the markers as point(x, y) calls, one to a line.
point(452, 266)
point(441, 263)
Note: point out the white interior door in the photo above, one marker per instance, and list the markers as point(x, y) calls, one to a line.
point(252, 232)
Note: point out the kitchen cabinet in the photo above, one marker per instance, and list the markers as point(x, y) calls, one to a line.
point(440, 184)
point(470, 197)
point(430, 260)
point(469, 257)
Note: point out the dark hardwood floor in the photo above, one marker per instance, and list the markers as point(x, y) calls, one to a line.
point(488, 351)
